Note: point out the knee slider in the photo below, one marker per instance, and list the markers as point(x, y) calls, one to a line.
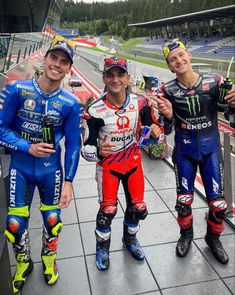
point(136, 212)
point(51, 218)
point(183, 204)
point(17, 222)
point(105, 216)
point(217, 209)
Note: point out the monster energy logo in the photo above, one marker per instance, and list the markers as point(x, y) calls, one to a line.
point(193, 104)
point(222, 93)
point(25, 135)
point(46, 131)
point(29, 136)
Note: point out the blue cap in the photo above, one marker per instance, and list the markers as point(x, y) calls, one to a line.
point(63, 46)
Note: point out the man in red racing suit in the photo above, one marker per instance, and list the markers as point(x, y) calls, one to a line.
point(112, 125)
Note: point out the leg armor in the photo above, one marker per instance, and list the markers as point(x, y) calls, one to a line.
point(51, 219)
point(135, 213)
point(217, 209)
point(52, 228)
point(184, 209)
point(17, 234)
point(215, 226)
point(16, 224)
point(104, 218)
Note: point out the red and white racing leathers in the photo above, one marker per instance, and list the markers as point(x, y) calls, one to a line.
point(121, 126)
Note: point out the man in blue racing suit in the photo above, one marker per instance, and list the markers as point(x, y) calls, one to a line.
point(190, 103)
point(24, 107)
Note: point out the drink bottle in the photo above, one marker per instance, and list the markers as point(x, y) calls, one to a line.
point(229, 113)
point(225, 86)
point(48, 130)
point(144, 136)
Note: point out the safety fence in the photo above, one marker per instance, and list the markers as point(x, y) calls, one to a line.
point(20, 55)
point(5, 269)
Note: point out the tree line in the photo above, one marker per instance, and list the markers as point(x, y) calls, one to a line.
point(99, 18)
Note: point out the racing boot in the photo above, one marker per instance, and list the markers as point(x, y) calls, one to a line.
point(131, 243)
point(24, 263)
point(216, 247)
point(23, 270)
point(184, 242)
point(48, 256)
point(102, 252)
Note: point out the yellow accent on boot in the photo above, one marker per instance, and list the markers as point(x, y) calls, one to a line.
point(23, 270)
point(9, 236)
point(50, 269)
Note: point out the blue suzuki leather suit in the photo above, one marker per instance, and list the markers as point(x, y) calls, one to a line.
point(197, 143)
point(22, 108)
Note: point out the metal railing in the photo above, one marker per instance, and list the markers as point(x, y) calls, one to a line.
point(5, 269)
point(19, 46)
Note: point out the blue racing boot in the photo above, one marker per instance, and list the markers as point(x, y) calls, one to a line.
point(102, 255)
point(102, 252)
point(130, 241)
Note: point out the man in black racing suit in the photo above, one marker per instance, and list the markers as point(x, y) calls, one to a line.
point(190, 103)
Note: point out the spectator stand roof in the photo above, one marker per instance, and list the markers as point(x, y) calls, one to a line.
point(215, 13)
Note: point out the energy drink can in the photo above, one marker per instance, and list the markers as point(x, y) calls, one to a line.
point(48, 131)
point(225, 86)
point(144, 136)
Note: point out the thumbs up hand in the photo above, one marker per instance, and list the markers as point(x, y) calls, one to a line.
point(106, 148)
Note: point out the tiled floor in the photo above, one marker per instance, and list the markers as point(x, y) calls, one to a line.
point(161, 273)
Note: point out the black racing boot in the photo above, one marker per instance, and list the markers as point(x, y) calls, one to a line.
point(132, 244)
point(184, 242)
point(216, 247)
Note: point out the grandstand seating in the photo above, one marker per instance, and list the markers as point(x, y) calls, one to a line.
point(223, 47)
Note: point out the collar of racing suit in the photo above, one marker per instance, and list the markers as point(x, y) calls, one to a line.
point(46, 95)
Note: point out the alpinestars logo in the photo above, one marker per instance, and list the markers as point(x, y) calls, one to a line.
point(187, 141)
point(193, 104)
point(184, 183)
point(215, 186)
